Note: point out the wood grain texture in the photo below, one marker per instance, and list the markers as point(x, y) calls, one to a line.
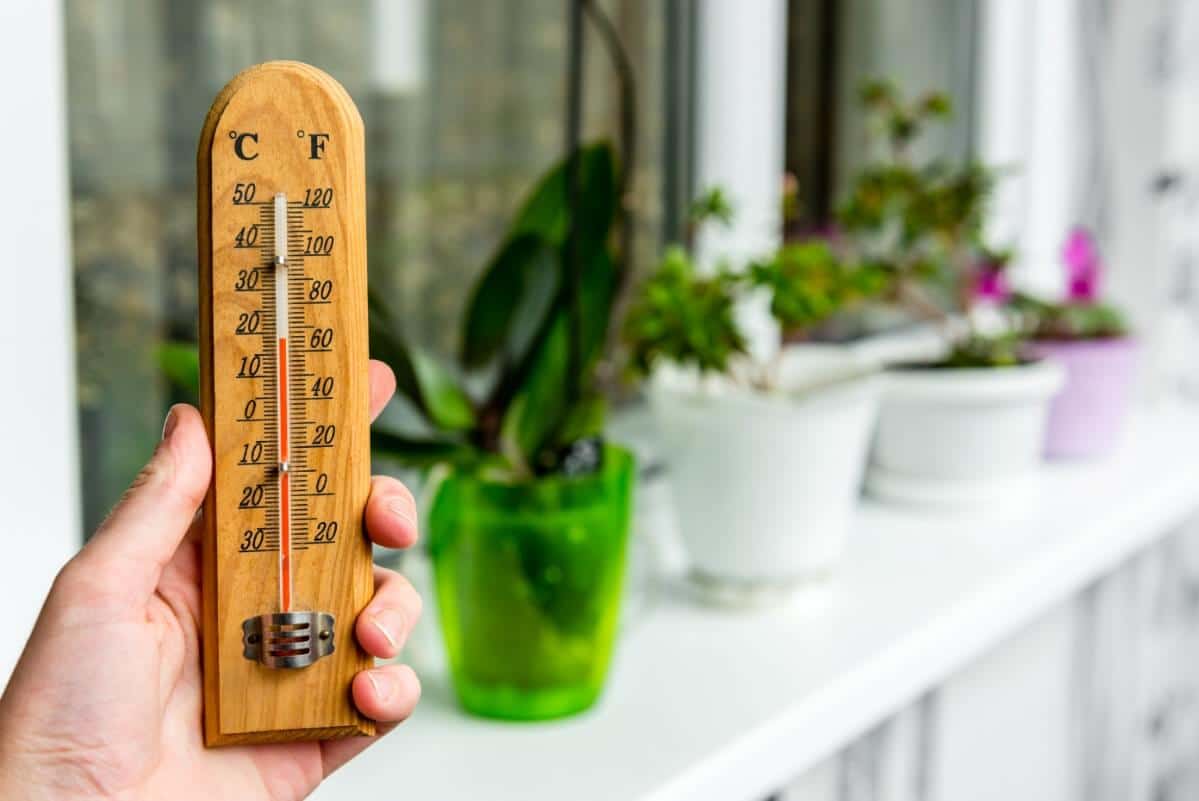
point(282, 103)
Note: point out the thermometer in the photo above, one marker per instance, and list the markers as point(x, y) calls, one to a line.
point(284, 393)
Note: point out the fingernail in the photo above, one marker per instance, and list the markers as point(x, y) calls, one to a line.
point(169, 424)
point(403, 511)
point(389, 623)
point(382, 683)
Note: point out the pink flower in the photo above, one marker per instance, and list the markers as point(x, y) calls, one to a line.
point(1083, 267)
point(990, 284)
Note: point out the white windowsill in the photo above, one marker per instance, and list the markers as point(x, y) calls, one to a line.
point(706, 705)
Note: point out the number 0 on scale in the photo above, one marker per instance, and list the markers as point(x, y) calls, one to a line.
point(283, 344)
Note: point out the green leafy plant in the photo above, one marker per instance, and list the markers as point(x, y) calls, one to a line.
point(687, 317)
point(533, 333)
point(809, 283)
point(684, 317)
point(921, 223)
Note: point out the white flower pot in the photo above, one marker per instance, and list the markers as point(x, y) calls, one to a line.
point(764, 485)
point(965, 436)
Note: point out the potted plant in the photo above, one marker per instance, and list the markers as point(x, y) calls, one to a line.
point(1090, 340)
point(968, 426)
point(530, 510)
point(765, 461)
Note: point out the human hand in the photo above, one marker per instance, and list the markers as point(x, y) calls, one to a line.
point(106, 700)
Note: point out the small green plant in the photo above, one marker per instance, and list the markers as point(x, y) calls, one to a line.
point(687, 317)
point(684, 317)
point(809, 282)
point(921, 223)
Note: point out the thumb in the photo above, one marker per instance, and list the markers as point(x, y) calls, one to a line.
point(135, 543)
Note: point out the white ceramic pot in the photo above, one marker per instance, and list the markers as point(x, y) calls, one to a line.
point(967, 436)
point(764, 485)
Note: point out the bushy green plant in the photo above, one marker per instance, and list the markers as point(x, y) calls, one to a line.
point(809, 282)
point(685, 316)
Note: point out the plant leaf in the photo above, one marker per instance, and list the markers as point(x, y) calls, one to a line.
point(446, 404)
point(585, 419)
point(537, 409)
point(420, 378)
point(180, 363)
point(390, 348)
point(500, 299)
point(536, 421)
point(415, 452)
point(546, 213)
point(515, 286)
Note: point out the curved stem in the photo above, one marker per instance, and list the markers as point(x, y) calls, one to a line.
point(627, 82)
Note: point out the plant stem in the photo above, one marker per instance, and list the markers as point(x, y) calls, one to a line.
point(627, 83)
point(571, 262)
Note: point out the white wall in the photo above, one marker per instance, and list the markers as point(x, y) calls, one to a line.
point(39, 497)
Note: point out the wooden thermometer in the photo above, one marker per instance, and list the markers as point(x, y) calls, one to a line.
point(283, 344)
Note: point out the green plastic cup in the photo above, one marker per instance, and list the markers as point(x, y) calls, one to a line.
point(529, 580)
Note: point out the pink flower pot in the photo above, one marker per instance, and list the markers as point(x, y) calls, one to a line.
point(1088, 415)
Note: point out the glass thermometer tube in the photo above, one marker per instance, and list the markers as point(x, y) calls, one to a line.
point(283, 400)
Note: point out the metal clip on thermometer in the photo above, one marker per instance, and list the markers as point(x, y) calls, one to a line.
point(283, 344)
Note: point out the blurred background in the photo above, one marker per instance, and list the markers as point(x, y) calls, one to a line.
point(1090, 108)
point(453, 141)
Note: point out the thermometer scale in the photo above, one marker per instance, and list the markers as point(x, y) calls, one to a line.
point(284, 393)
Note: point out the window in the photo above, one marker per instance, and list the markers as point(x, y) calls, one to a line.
point(835, 45)
point(464, 106)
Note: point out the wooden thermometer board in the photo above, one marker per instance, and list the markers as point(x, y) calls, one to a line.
point(284, 393)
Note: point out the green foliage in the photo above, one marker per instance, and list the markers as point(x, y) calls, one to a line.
point(684, 317)
point(523, 273)
point(809, 283)
point(1068, 321)
point(922, 223)
point(902, 122)
point(179, 362)
point(432, 390)
point(535, 342)
point(711, 205)
point(978, 350)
